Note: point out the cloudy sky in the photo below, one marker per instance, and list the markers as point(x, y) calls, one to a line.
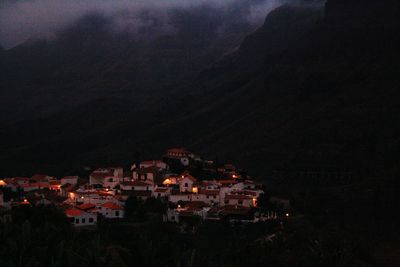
point(23, 19)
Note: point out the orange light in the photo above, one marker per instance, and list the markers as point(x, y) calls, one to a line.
point(2, 183)
point(167, 181)
point(195, 190)
point(254, 202)
point(234, 176)
point(287, 214)
point(71, 195)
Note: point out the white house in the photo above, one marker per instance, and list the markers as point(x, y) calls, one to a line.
point(175, 198)
point(112, 210)
point(80, 217)
point(72, 180)
point(161, 192)
point(147, 174)
point(107, 177)
point(15, 183)
point(240, 200)
point(136, 186)
point(152, 163)
point(186, 183)
point(207, 196)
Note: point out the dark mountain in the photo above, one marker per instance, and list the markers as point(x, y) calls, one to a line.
point(303, 92)
point(94, 59)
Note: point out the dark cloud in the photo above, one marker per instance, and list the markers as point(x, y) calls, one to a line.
point(23, 19)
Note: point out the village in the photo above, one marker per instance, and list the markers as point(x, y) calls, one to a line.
point(190, 187)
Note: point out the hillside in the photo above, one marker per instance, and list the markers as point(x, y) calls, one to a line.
point(301, 93)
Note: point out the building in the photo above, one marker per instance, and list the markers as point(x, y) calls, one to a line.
point(72, 180)
point(106, 177)
point(41, 178)
point(186, 182)
point(181, 197)
point(180, 154)
point(81, 218)
point(240, 200)
point(136, 186)
point(161, 192)
point(146, 174)
point(210, 197)
point(111, 210)
point(152, 163)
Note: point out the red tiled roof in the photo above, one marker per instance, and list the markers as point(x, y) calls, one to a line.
point(112, 206)
point(86, 206)
point(72, 212)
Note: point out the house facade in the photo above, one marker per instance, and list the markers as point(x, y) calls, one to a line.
point(81, 218)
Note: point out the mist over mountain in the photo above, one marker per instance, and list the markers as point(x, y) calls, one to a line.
point(23, 20)
point(301, 92)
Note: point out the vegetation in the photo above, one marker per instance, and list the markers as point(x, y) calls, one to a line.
point(41, 236)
